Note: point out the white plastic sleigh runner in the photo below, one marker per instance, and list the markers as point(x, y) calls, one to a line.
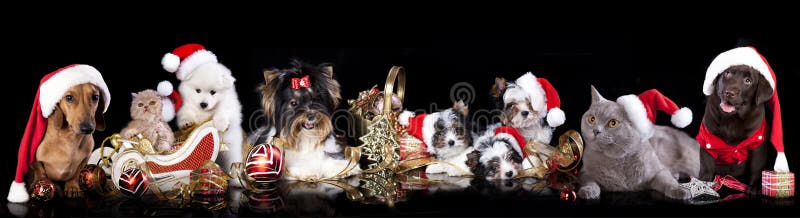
point(164, 171)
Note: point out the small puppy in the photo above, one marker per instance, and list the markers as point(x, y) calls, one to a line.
point(445, 135)
point(494, 158)
point(525, 106)
point(209, 94)
point(734, 112)
point(298, 103)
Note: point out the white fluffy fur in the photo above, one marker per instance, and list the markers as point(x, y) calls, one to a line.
point(737, 56)
point(537, 95)
point(637, 114)
point(455, 165)
point(308, 163)
point(17, 193)
point(555, 117)
point(682, 117)
point(223, 107)
point(51, 91)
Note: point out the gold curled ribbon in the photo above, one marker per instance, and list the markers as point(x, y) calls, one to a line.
point(567, 155)
point(407, 165)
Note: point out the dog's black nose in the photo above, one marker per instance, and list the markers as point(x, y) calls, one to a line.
point(203, 105)
point(731, 93)
point(509, 174)
point(524, 113)
point(451, 142)
point(311, 117)
point(87, 128)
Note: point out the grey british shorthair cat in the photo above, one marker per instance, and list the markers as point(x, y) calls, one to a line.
point(619, 158)
point(146, 120)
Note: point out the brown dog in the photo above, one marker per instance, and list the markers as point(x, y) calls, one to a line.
point(735, 111)
point(68, 141)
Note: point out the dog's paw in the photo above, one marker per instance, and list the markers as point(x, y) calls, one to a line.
point(185, 124)
point(221, 123)
point(72, 189)
point(456, 172)
point(678, 193)
point(589, 192)
point(434, 169)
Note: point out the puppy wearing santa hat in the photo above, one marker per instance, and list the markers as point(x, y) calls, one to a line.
point(208, 93)
point(530, 105)
point(57, 141)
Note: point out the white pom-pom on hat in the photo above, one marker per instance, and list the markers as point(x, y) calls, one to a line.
point(170, 62)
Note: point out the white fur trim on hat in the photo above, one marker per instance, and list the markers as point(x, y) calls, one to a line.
point(637, 114)
point(737, 56)
point(18, 193)
point(513, 141)
point(197, 59)
point(555, 117)
point(428, 130)
point(682, 118)
point(167, 109)
point(537, 95)
point(164, 88)
point(52, 90)
point(780, 163)
point(170, 62)
point(404, 116)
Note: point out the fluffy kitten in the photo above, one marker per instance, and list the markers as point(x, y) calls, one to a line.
point(619, 158)
point(146, 120)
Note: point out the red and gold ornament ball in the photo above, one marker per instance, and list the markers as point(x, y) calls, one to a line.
point(43, 190)
point(133, 182)
point(264, 163)
point(92, 177)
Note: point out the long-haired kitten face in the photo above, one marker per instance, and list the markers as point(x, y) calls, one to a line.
point(517, 109)
point(146, 105)
point(298, 103)
point(451, 135)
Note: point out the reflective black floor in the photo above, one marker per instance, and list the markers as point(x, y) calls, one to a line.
point(406, 195)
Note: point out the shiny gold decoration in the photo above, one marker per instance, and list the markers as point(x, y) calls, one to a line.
point(381, 188)
point(377, 132)
point(565, 157)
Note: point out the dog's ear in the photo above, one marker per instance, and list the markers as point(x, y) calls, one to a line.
point(226, 79)
point(461, 108)
point(99, 120)
point(270, 75)
point(763, 90)
point(58, 118)
point(473, 161)
point(499, 87)
point(327, 69)
point(268, 92)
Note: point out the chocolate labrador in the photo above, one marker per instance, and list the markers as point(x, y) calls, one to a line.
point(734, 112)
point(68, 141)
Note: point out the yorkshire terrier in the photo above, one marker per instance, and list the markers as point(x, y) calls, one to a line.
point(446, 135)
point(297, 104)
point(528, 104)
point(498, 154)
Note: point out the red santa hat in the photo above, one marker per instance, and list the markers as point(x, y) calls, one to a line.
point(171, 101)
point(511, 135)
point(184, 59)
point(544, 98)
point(419, 125)
point(749, 56)
point(51, 89)
point(642, 111)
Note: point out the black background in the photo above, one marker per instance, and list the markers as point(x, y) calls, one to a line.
point(617, 61)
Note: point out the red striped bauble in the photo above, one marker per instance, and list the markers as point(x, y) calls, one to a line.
point(133, 182)
point(264, 163)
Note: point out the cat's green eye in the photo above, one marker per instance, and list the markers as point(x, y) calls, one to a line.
point(591, 120)
point(613, 123)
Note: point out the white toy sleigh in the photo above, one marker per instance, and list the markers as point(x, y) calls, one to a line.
point(163, 171)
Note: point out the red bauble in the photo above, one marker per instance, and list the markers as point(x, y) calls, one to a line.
point(92, 177)
point(264, 163)
point(43, 190)
point(133, 182)
point(568, 194)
